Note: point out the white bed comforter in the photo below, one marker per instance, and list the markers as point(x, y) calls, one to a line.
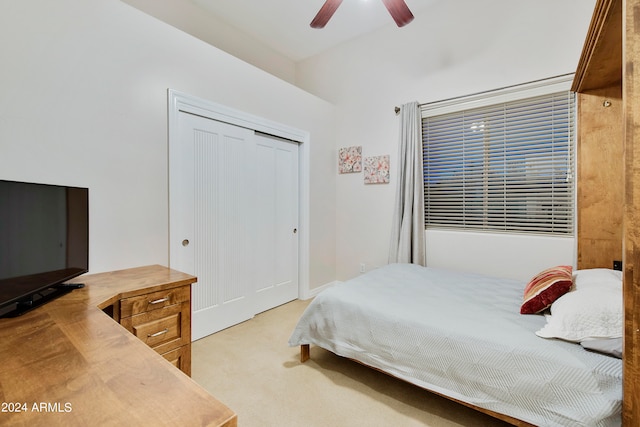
point(462, 335)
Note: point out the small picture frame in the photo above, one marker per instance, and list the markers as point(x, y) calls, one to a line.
point(350, 159)
point(376, 169)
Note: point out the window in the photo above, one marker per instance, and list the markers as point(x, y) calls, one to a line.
point(505, 167)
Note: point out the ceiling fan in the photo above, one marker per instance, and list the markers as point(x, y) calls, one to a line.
point(397, 8)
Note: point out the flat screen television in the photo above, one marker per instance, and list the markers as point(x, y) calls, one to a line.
point(44, 241)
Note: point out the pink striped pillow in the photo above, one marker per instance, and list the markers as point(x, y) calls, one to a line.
point(546, 287)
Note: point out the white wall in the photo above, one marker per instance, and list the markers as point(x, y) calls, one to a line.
point(197, 21)
point(514, 256)
point(452, 48)
point(84, 102)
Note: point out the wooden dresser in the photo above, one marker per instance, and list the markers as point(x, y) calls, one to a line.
point(162, 320)
point(69, 363)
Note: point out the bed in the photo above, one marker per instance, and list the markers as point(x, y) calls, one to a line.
point(462, 336)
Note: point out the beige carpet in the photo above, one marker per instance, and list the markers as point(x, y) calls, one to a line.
point(251, 369)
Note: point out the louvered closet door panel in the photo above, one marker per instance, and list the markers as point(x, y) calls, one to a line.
point(218, 217)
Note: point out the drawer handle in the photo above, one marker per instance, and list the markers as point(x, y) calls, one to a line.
point(158, 301)
point(157, 334)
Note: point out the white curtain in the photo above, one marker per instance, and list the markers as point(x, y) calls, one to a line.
point(407, 232)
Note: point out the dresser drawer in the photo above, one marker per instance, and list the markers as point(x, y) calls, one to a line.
point(180, 358)
point(164, 329)
point(154, 301)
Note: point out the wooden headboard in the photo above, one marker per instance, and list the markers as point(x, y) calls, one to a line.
point(600, 177)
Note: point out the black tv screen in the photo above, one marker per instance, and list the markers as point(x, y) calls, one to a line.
point(44, 239)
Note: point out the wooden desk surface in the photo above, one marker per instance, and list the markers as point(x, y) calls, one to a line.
point(68, 363)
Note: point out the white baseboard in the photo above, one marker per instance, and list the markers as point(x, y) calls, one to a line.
point(311, 293)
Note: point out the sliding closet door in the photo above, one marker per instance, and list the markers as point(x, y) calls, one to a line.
point(233, 219)
point(217, 215)
point(276, 241)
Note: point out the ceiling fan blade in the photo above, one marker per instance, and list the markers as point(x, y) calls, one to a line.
point(399, 11)
point(325, 13)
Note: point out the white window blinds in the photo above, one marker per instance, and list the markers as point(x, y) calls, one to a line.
point(504, 167)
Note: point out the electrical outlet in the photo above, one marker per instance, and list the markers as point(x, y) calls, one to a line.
point(363, 267)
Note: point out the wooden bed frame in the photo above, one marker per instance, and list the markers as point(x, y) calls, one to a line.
point(306, 355)
point(607, 82)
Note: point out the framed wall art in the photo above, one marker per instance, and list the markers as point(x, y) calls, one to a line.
point(350, 159)
point(376, 169)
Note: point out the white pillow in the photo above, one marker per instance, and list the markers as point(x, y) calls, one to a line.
point(597, 277)
point(591, 312)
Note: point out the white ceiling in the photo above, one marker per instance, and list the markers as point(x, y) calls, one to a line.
point(284, 24)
